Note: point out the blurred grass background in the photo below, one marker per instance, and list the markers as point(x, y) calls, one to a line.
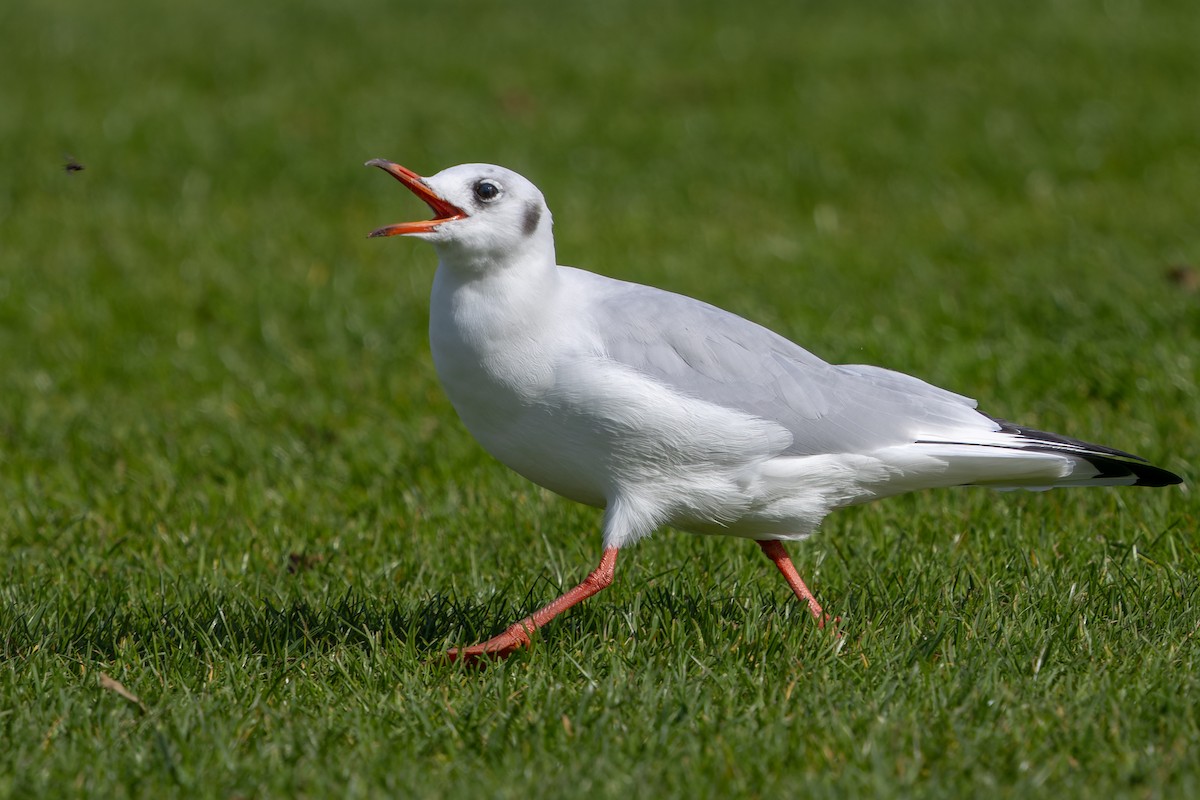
point(231, 481)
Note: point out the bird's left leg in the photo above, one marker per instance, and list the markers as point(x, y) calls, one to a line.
point(517, 635)
point(776, 552)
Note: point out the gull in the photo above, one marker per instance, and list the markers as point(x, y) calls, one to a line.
point(667, 411)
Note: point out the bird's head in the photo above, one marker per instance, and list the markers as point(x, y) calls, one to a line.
point(484, 216)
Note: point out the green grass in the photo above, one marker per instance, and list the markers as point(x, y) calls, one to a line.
point(209, 375)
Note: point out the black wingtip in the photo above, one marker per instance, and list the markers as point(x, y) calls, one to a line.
point(1144, 474)
point(1111, 462)
point(1150, 475)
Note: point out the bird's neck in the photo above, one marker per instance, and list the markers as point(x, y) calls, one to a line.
point(492, 334)
point(483, 310)
point(467, 263)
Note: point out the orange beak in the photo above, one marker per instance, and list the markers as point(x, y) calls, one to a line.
point(443, 210)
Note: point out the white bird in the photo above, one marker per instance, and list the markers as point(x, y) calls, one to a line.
point(666, 411)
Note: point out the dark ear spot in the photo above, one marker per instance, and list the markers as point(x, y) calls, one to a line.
point(533, 215)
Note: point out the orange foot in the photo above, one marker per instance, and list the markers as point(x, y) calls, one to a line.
point(495, 649)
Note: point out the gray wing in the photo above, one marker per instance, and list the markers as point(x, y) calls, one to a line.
point(711, 354)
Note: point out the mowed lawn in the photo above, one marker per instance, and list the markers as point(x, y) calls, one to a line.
point(241, 521)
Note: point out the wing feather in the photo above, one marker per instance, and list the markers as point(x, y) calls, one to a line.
point(702, 351)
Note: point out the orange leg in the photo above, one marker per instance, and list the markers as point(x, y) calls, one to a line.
point(775, 552)
point(517, 634)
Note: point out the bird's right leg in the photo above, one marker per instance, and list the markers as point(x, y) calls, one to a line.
point(516, 635)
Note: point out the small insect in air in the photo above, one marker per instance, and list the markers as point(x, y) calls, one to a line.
point(73, 165)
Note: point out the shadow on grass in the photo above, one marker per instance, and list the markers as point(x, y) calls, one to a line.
point(103, 627)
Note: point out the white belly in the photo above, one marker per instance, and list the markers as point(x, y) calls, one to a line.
point(591, 430)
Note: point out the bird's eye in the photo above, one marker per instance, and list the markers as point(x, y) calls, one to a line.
point(486, 190)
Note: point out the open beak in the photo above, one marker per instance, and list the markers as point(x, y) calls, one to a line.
point(443, 211)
